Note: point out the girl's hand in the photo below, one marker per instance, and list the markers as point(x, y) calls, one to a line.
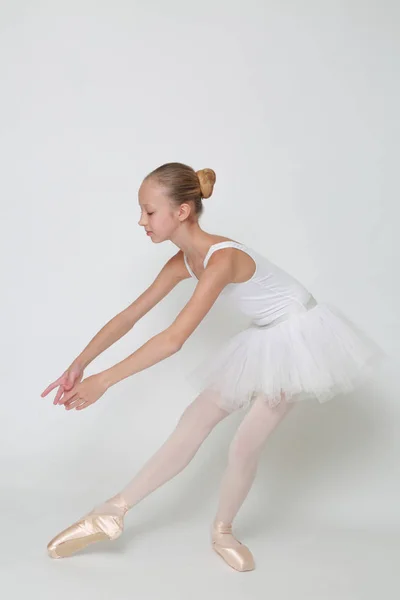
point(68, 379)
point(85, 393)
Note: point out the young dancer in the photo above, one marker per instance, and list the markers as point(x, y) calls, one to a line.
point(294, 349)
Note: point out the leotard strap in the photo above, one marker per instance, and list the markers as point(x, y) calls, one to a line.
point(220, 245)
point(212, 249)
point(188, 268)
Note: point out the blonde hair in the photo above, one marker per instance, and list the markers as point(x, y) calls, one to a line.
point(184, 184)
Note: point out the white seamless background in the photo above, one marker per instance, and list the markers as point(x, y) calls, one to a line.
point(295, 106)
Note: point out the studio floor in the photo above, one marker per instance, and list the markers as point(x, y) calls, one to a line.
point(158, 557)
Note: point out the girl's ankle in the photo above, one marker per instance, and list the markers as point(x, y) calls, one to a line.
point(221, 526)
point(119, 501)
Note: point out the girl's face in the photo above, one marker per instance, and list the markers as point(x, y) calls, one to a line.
point(158, 215)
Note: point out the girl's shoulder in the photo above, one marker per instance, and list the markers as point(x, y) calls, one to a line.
point(217, 239)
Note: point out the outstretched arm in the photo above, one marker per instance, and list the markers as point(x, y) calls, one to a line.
point(214, 278)
point(172, 273)
point(169, 276)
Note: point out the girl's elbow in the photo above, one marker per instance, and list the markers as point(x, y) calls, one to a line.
point(175, 341)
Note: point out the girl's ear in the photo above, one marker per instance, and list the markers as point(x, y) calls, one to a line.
point(184, 211)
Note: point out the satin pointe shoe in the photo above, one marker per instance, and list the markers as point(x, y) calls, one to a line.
point(103, 523)
point(236, 554)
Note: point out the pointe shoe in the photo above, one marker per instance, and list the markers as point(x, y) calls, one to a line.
point(234, 553)
point(97, 525)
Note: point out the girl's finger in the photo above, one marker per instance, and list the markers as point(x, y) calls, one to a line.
point(68, 397)
point(84, 405)
point(51, 387)
point(73, 402)
point(59, 394)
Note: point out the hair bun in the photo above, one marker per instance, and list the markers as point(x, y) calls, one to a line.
point(207, 178)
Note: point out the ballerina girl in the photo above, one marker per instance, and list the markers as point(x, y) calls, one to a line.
point(294, 349)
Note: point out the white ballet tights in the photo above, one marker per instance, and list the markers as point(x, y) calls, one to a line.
point(196, 422)
point(194, 425)
point(244, 452)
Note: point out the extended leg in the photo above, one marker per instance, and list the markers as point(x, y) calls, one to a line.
point(106, 520)
point(194, 425)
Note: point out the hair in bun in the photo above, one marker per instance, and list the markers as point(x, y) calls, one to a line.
point(207, 178)
point(184, 185)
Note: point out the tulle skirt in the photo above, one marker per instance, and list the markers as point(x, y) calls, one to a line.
point(316, 354)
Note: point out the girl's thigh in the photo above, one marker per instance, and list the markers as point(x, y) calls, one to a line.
point(260, 420)
point(204, 410)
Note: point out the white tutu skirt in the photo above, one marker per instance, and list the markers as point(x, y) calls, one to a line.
point(317, 354)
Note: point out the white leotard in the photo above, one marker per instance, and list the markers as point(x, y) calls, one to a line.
point(269, 294)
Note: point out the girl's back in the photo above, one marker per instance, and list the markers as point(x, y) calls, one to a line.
point(268, 294)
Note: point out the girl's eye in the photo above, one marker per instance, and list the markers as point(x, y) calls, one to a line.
point(149, 213)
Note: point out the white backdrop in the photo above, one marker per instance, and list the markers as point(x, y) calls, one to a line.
point(295, 106)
